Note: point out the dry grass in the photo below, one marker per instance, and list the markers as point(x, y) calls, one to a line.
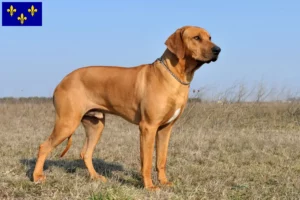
point(230, 151)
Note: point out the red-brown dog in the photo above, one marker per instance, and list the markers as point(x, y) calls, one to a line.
point(152, 96)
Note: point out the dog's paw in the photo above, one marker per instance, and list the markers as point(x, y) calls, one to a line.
point(152, 188)
point(99, 177)
point(39, 178)
point(166, 183)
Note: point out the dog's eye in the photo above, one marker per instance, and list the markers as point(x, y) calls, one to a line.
point(197, 38)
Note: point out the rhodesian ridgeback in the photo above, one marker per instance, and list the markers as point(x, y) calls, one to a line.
point(152, 96)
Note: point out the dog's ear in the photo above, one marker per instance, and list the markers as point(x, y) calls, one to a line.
point(175, 43)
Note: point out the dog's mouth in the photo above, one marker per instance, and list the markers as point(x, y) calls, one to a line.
point(211, 60)
point(214, 59)
point(207, 60)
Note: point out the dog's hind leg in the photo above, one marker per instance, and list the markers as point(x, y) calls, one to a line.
point(96, 114)
point(93, 127)
point(64, 128)
point(83, 150)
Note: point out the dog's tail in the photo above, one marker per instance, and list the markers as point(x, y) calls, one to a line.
point(67, 147)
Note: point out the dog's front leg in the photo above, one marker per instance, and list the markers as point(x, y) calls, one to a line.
point(147, 140)
point(162, 143)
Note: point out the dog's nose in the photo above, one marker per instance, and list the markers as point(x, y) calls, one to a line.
point(216, 50)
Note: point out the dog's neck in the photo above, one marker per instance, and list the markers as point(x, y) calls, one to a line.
point(184, 68)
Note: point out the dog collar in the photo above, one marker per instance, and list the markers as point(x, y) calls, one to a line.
point(180, 81)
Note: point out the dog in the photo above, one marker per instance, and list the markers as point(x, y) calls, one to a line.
point(152, 96)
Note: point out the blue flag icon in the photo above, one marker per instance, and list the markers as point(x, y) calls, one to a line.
point(22, 13)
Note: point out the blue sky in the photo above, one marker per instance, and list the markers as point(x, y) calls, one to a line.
point(259, 40)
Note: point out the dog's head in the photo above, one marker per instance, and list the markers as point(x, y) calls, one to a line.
point(193, 42)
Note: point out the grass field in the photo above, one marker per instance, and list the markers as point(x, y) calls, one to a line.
point(217, 151)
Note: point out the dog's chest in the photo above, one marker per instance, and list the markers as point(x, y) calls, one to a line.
point(178, 102)
point(174, 116)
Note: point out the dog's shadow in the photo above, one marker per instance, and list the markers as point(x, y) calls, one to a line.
point(70, 166)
